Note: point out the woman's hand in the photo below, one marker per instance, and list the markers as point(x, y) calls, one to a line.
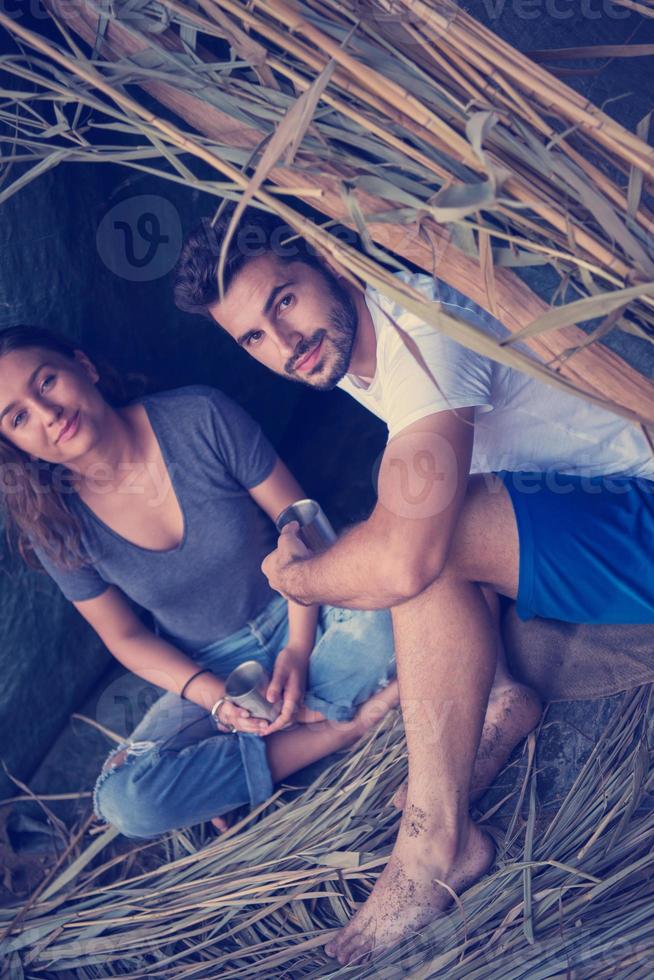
point(288, 683)
point(231, 716)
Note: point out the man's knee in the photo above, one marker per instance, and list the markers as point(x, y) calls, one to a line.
point(485, 544)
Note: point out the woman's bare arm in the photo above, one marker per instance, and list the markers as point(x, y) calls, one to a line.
point(144, 653)
point(274, 494)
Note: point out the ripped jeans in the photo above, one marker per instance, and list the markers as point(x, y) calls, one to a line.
point(179, 770)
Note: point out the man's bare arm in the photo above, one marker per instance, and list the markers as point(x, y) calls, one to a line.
point(403, 546)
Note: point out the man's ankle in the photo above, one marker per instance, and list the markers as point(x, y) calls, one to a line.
point(443, 834)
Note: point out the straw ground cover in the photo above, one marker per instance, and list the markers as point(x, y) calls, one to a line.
point(570, 893)
point(440, 144)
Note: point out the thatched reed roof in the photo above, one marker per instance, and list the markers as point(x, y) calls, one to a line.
point(409, 121)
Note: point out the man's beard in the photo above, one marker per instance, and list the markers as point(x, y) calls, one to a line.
point(343, 321)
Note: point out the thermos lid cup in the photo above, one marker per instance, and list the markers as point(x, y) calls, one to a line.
point(315, 529)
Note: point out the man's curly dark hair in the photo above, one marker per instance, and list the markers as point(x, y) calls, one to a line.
point(258, 232)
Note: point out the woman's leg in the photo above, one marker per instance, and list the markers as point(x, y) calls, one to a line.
point(173, 783)
point(176, 769)
point(293, 749)
point(353, 659)
point(170, 724)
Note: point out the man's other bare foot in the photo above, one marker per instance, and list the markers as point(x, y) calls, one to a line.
point(513, 711)
point(407, 895)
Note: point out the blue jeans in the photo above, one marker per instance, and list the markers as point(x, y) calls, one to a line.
point(179, 770)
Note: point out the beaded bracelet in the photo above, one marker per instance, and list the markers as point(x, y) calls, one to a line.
point(205, 670)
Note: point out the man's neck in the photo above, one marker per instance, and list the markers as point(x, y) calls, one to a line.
point(363, 361)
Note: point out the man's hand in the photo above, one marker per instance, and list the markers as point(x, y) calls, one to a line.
point(288, 682)
point(290, 549)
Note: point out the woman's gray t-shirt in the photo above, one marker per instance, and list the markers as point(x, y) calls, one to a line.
point(211, 584)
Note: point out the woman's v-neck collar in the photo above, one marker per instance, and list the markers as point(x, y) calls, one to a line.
point(176, 491)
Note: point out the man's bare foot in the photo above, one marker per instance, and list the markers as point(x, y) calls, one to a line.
point(407, 895)
point(513, 711)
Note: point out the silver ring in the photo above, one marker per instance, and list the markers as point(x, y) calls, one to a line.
point(233, 729)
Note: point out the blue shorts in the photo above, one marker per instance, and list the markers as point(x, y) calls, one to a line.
point(586, 547)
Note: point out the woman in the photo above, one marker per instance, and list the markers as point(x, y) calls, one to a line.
point(163, 502)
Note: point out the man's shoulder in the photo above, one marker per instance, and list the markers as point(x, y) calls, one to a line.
point(388, 313)
point(420, 281)
point(394, 323)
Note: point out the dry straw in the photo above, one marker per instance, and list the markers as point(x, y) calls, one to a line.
point(445, 147)
point(570, 894)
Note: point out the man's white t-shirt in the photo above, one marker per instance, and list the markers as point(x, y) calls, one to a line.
point(521, 424)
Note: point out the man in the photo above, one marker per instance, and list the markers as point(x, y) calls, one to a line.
point(446, 536)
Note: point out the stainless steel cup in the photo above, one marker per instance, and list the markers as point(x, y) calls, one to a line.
point(315, 530)
point(246, 686)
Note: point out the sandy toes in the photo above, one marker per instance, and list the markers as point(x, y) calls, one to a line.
point(407, 894)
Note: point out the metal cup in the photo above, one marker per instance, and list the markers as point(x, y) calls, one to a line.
point(315, 530)
point(246, 686)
